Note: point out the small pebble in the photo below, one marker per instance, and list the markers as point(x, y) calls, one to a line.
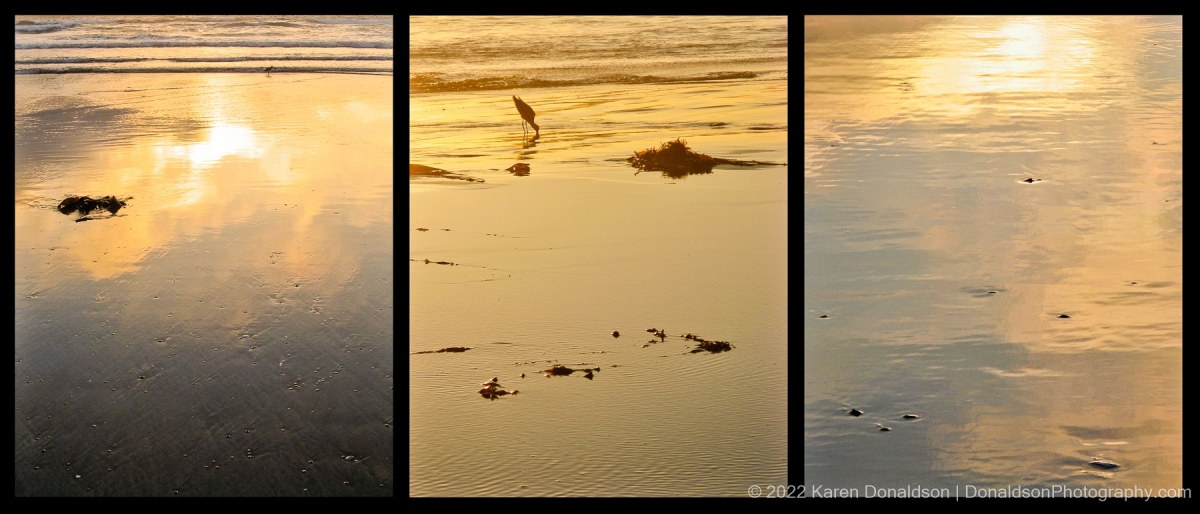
point(616, 334)
point(1063, 316)
point(823, 316)
point(911, 416)
point(855, 412)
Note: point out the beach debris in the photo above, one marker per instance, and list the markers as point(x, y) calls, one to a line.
point(856, 412)
point(616, 334)
point(675, 160)
point(661, 334)
point(1104, 464)
point(560, 370)
point(704, 345)
point(452, 349)
point(911, 416)
point(983, 291)
point(1063, 316)
point(492, 389)
point(519, 169)
point(423, 229)
point(883, 428)
point(1031, 180)
point(85, 205)
point(713, 347)
point(418, 170)
point(427, 261)
point(824, 316)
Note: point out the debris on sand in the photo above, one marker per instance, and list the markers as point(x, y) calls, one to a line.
point(86, 204)
point(417, 170)
point(705, 345)
point(713, 347)
point(675, 160)
point(519, 169)
point(452, 349)
point(427, 261)
point(560, 370)
point(492, 389)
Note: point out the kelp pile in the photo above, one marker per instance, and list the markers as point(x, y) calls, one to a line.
point(675, 160)
point(86, 204)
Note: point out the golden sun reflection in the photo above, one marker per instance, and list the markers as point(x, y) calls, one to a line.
point(311, 171)
point(223, 141)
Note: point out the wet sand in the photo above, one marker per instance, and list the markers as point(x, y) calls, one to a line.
point(229, 332)
point(549, 264)
point(994, 241)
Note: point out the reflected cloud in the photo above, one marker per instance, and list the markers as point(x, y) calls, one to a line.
point(314, 170)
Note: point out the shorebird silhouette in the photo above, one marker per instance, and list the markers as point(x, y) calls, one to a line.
point(526, 115)
point(268, 70)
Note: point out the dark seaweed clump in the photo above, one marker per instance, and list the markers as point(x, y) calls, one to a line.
point(674, 159)
point(704, 345)
point(86, 204)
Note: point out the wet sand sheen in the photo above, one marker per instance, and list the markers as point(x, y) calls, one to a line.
point(230, 333)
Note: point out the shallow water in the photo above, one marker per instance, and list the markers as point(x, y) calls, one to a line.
point(547, 266)
point(233, 321)
point(945, 277)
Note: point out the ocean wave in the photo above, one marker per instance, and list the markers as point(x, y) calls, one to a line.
point(433, 82)
point(31, 27)
point(204, 44)
point(207, 69)
point(255, 58)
